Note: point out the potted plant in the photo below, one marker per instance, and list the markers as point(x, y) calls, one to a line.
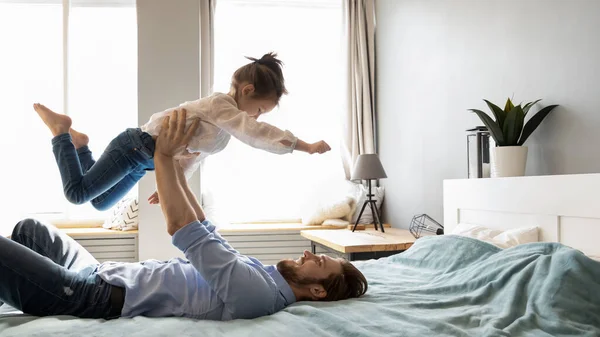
point(509, 131)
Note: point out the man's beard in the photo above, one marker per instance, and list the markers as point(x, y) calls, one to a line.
point(289, 271)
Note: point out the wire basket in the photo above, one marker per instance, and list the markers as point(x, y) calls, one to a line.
point(424, 223)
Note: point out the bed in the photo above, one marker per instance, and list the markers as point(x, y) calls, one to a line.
point(443, 285)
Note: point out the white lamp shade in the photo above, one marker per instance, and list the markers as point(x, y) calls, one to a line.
point(368, 166)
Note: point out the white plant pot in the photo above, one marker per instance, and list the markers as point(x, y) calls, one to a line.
point(508, 161)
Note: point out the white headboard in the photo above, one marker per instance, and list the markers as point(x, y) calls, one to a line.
point(566, 208)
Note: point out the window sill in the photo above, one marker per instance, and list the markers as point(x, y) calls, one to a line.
point(96, 232)
point(94, 228)
point(90, 232)
point(77, 223)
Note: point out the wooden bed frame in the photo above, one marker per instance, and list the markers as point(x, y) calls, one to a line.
point(566, 208)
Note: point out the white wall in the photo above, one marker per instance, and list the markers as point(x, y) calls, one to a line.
point(438, 58)
point(168, 74)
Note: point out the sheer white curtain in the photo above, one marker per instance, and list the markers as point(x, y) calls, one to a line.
point(244, 184)
point(360, 122)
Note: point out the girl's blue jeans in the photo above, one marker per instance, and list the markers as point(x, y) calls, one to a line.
point(106, 181)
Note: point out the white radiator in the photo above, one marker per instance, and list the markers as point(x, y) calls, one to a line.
point(122, 248)
point(269, 247)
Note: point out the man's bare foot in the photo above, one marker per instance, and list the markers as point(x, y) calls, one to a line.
point(57, 123)
point(79, 139)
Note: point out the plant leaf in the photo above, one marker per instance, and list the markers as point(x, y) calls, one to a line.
point(519, 124)
point(528, 106)
point(534, 122)
point(509, 105)
point(513, 126)
point(498, 113)
point(495, 130)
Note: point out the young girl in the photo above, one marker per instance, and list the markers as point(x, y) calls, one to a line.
point(255, 90)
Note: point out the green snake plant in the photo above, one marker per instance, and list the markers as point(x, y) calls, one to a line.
point(508, 128)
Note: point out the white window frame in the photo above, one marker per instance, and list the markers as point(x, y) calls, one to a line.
point(278, 3)
point(66, 220)
point(66, 7)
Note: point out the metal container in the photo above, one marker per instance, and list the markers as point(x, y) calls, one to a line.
point(479, 143)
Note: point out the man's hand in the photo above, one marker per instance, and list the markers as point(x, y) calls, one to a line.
point(173, 137)
point(318, 147)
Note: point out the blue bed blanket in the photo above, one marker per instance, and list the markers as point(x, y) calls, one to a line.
point(442, 286)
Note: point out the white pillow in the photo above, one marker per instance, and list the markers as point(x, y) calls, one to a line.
point(321, 211)
point(336, 222)
point(501, 238)
point(124, 215)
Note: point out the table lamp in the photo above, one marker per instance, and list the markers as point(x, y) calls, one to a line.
point(368, 167)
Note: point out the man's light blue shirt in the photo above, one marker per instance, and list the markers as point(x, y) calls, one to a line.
point(217, 282)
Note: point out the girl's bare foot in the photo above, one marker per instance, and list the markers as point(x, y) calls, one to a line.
point(57, 123)
point(79, 139)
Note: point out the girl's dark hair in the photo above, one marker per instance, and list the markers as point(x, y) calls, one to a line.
point(265, 74)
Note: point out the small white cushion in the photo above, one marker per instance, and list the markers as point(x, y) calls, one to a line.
point(501, 238)
point(124, 215)
point(336, 222)
point(323, 210)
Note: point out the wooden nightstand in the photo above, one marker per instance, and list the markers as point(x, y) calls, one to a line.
point(360, 245)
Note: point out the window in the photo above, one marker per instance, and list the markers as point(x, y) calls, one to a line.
point(78, 57)
point(242, 184)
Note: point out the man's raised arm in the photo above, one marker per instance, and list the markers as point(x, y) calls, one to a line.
point(175, 205)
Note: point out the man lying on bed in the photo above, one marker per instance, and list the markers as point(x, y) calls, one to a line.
point(43, 272)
